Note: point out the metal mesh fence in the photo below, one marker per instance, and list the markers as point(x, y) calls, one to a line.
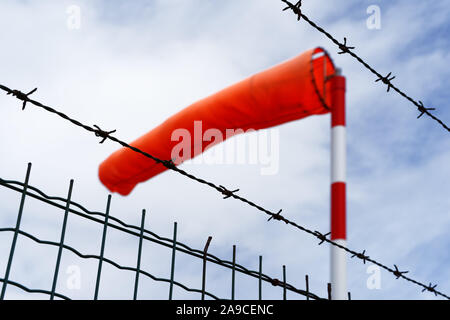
point(108, 222)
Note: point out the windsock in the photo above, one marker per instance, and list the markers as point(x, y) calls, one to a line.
point(292, 90)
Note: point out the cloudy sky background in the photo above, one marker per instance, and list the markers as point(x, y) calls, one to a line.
point(134, 63)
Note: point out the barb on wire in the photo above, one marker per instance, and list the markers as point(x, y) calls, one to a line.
point(278, 216)
point(275, 216)
point(103, 134)
point(169, 164)
point(321, 237)
point(431, 288)
point(296, 8)
point(22, 96)
point(344, 48)
point(397, 273)
point(361, 256)
point(386, 80)
point(227, 193)
point(422, 109)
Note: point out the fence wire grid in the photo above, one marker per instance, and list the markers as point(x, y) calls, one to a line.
point(69, 207)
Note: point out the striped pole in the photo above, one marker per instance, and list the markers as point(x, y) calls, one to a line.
point(338, 197)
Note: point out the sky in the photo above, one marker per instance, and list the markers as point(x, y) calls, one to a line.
point(130, 65)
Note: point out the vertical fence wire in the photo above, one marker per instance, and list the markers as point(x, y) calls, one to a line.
point(102, 250)
point(138, 267)
point(16, 233)
point(260, 279)
point(284, 282)
point(172, 266)
point(205, 251)
point(61, 242)
point(329, 291)
point(233, 273)
point(307, 286)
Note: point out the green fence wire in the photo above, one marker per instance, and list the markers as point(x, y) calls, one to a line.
point(107, 221)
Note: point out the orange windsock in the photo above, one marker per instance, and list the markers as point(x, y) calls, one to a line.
point(289, 91)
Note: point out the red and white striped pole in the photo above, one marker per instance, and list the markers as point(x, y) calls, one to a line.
point(338, 195)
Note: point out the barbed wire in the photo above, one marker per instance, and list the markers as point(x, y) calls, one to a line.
point(220, 188)
point(169, 243)
point(345, 49)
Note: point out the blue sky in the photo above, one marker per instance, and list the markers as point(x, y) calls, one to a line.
point(133, 64)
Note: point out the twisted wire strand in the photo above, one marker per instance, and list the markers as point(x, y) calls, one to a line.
point(296, 9)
